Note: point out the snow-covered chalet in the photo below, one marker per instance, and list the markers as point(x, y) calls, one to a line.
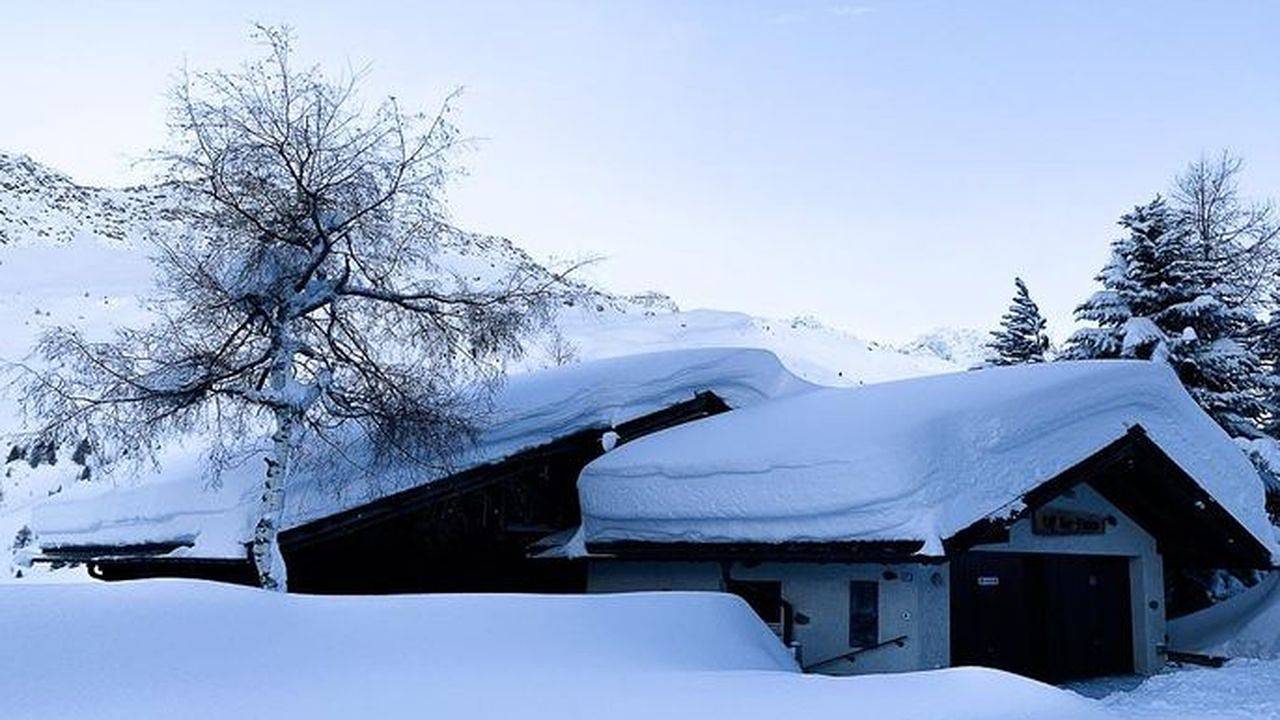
point(1023, 518)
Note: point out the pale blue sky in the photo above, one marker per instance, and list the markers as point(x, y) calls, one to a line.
point(886, 166)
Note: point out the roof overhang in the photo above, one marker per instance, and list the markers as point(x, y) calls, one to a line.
point(880, 551)
point(1133, 473)
point(1136, 476)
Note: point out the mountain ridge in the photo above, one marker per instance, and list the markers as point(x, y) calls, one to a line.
point(41, 206)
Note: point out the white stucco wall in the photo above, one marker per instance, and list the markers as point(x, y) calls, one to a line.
point(914, 598)
point(914, 601)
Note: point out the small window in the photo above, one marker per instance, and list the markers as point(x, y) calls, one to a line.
point(864, 613)
point(764, 596)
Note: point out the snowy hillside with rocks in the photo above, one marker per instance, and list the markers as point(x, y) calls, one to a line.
point(77, 255)
point(40, 204)
point(963, 347)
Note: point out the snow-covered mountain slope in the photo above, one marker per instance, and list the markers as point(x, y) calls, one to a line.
point(963, 347)
point(38, 204)
point(78, 255)
point(811, 350)
point(73, 255)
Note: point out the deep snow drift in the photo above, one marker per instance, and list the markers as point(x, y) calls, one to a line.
point(1246, 625)
point(198, 651)
point(910, 460)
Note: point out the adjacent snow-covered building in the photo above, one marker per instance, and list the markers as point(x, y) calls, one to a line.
point(468, 526)
point(1022, 518)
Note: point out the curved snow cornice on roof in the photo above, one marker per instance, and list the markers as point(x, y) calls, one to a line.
point(913, 460)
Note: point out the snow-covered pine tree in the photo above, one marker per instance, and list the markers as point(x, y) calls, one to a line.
point(1178, 289)
point(1221, 251)
point(1212, 351)
point(303, 315)
point(1267, 346)
point(1021, 337)
point(1121, 311)
point(1264, 451)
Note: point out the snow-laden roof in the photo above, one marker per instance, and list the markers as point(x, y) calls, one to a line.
point(530, 410)
point(913, 460)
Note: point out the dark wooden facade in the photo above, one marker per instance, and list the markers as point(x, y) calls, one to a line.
point(469, 532)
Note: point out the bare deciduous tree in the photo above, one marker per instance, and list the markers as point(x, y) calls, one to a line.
point(303, 302)
point(1230, 230)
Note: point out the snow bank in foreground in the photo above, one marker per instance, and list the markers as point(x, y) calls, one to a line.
point(911, 460)
point(200, 651)
point(530, 410)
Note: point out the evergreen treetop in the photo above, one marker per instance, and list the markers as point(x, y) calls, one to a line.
point(1021, 337)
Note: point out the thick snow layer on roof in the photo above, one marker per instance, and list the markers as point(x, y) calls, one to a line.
point(529, 411)
point(200, 651)
point(171, 502)
point(535, 408)
point(911, 460)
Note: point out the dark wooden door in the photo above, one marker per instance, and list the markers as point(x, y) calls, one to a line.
point(1089, 628)
point(991, 621)
point(1051, 617)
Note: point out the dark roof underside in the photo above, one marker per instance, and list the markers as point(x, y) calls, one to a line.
point(367, 521)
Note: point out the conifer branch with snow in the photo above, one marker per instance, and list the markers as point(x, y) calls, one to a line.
point(1182, 287)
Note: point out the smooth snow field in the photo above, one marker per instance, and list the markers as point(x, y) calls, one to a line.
point(188, 650)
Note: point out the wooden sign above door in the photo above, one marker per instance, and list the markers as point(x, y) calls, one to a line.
point(1053, 521)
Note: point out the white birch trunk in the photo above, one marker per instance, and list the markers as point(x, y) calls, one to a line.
point(267, 558)
point(272, 574)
